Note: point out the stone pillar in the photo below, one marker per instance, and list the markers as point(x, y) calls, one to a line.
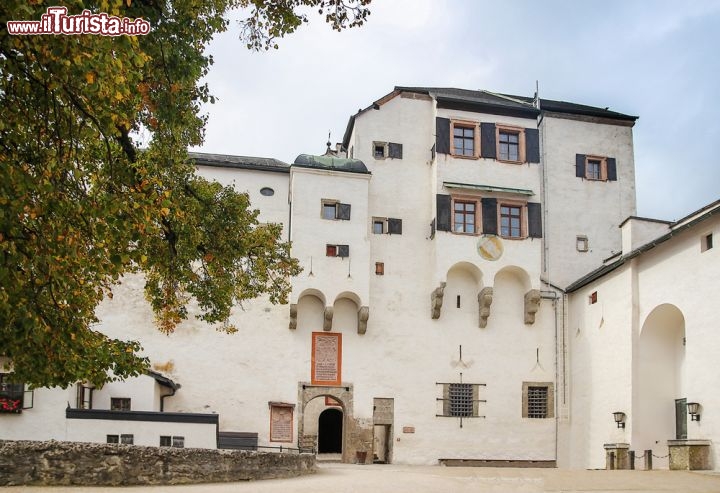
point(617, 455)
point(689, 455)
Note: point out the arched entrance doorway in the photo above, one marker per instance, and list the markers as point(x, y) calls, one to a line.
point(330, 431)
point(659, 408)
point(313, 401)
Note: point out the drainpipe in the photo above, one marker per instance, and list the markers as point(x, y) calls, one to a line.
point(162, 398)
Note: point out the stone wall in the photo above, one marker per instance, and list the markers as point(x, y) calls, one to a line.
point(71, 463)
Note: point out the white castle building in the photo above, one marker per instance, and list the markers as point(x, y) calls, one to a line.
point(476, 289)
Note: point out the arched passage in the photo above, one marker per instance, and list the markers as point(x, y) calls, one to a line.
point(330, 431)
point(313, 401)
point(659, 413)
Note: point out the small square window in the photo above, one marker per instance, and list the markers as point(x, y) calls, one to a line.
point(581, 243)
point(113, 439)
point(332, 209)
point(595, 168)
point(12, 394)
point(165, 441)
point(380, 268)
point(127, 439)
point(120, 404)
point(378, 226)
point(706, 242)
point(592, 299)
point(178, 442)
point(329, 210)
point(331, 250)
point(379, 150)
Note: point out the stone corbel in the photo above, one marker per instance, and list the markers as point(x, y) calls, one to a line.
point(363, 315)
point(436, 301)
point(532, 304)
point(293, 316)
point(485, 297)
point(327, 318)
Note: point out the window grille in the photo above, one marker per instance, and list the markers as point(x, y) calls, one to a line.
point(537, 402)
point(461, 399)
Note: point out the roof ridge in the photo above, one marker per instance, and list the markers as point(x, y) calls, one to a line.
point(509, 98)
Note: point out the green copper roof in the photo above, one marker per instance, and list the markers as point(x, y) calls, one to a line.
point(330, 163)
point(488, 188)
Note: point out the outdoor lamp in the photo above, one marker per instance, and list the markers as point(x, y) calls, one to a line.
point(619, 418)
point(694, 411)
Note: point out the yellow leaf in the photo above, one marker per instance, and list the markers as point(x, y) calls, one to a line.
point(90, 77)
point(165, 211)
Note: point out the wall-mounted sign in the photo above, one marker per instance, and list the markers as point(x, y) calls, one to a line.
point(281, 423)
point(326, 360)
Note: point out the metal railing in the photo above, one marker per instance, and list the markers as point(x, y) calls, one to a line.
point(279, 449)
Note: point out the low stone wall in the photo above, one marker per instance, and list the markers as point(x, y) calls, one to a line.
point(74, 463)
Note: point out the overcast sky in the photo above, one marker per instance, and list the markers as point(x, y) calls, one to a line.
point(658, 60)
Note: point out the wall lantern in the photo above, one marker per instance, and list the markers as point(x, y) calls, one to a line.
point(619, 418)
point(694, 411)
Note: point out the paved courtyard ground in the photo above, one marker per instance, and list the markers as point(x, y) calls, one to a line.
point(347, 478)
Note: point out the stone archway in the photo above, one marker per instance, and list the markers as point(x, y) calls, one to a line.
point(354, 439)
point(658, 378)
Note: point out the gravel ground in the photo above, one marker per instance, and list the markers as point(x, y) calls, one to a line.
point(347, 478)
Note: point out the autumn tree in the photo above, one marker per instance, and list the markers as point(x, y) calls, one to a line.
point(81, 205)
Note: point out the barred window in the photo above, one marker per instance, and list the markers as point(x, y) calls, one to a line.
point(537, 402)
point(461, 399)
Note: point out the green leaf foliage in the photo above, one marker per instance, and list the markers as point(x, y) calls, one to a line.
point(81, 205)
